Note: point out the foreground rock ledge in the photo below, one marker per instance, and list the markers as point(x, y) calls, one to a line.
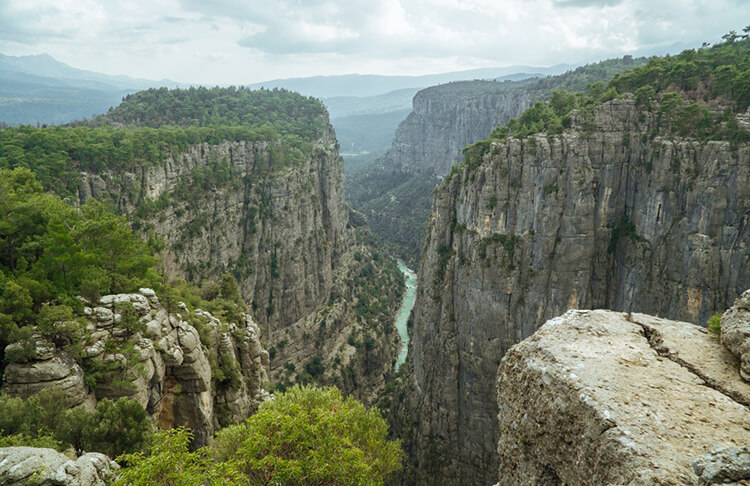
point(599, 397)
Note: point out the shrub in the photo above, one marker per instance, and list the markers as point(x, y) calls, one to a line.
point(714, 324)
point(311, 436)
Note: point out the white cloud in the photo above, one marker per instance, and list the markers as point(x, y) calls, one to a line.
point(241, 41)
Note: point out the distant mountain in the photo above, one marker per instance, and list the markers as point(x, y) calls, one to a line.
point(40, 89)
point(373, 84)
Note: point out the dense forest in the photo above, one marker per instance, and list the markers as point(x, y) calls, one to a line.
point(133, 133)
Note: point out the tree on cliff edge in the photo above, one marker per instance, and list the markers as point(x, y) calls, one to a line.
point(305, 436)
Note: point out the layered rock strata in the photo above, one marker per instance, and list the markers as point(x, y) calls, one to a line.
point(598, 397)
point(605, 216)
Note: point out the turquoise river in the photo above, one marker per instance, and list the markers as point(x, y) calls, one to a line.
point(402, 318)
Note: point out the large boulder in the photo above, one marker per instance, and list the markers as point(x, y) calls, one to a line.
point(598, 397)
point(47, 467)
point(735, 332)
point(59, 371)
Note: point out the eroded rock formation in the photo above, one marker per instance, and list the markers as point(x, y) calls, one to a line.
point(599, 397)
point(168, 368)
point(47, 467)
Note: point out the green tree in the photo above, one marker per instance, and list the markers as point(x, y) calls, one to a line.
point(171, 463)
point(309, 436)
point(117, 427)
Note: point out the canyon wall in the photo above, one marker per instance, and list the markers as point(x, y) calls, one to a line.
point(283, 230)
point(395, 191)
point(606, 215)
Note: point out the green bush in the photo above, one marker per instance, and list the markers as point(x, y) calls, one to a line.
point(171, 463)
point(714, 324)
point(312, 436)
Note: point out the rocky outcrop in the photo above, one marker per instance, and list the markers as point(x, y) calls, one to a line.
point(735, 332)
point(47, 467)
point(602, 217)
point(723, 465)
point(598, 397)
point(135, 347)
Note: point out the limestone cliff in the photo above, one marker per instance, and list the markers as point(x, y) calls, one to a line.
point(280, 231)
point(602, 216)
point(283, 230)
point(185, 368)
point(598, 397)
point(395, 191)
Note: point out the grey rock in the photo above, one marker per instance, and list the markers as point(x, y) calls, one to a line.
point(47, 467)
point(147, 292)
point(43, 349)
point(723, 464)
point(599, 397)
point(153, 329)
point(529, 235)
point(103, 314)
point(735, 332)
point(61, 371)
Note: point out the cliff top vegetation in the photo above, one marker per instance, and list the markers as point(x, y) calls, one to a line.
point(696, 94)
point(151, 125)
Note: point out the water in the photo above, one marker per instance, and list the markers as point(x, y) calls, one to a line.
point(403, 312)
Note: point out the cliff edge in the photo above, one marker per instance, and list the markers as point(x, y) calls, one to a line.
point(600, 397)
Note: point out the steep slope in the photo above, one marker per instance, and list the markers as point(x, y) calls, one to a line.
point(394, 192)
point(248, 183)
point(636, 205)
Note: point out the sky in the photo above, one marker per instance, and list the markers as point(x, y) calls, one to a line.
point(244, 41)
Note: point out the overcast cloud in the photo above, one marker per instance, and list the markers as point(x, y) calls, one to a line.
point(243, 41)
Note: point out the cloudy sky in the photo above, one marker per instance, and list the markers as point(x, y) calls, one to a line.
point(243, 41)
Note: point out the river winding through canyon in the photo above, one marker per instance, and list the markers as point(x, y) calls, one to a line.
point(402, 318)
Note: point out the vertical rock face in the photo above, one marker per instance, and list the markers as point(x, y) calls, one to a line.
point(282, 229)
point(203, 380)
point(598, 397)
point(447, 118)
point(598, 218)
point(395, 191)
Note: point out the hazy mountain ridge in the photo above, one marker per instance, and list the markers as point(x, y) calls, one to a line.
point(40, 89)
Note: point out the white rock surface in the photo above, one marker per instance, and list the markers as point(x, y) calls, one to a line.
point(598, 397)
point(47, 467)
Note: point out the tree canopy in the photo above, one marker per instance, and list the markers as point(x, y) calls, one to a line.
point(304, 436)
point(679, 88)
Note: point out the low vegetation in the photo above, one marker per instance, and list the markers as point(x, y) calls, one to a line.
point(305, 436)
point(44, 420)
